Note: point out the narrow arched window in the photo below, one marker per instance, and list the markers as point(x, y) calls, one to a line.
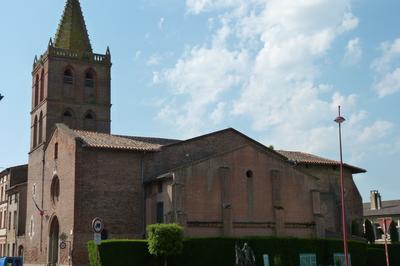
point(56, 151)
point(40, 135)
point(55, 189)
point(89, 115)
point(68, 118)
point(42, 86)
point(68, 77)
point(90, 121)
point(67, 113)
point(34, 141)
point(36, 92)
point(89, 79)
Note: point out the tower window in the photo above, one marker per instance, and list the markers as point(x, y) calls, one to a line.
point(89, 79)
point(68, 118)
point(90, 121)
point(42, 86)
point(36, 92)
point(89, 116)
point(67, 114)
point(68, 77)
point(40, 135)
point(35, 125)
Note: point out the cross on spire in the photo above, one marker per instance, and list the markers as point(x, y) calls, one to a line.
point(72, 33)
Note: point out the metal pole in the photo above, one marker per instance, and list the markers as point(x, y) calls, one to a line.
point(340, 120)
point(386, 245)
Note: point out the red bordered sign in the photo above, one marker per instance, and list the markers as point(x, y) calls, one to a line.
point(97, 225)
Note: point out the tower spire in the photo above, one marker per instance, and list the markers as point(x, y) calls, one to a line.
point(72, 33)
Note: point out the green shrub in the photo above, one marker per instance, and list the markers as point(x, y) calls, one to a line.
point(93, 254)
point(376, 257)
point(165, 239)
point(394, 252)
point(220, 251)
point(125, 252)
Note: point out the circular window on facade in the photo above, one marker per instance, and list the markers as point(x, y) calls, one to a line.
point(249, 174)
point(55, 189)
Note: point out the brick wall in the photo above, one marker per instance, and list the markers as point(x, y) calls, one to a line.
point(215, 196)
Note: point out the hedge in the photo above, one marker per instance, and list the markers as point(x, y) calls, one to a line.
point(221, 252)
point(394, 252)
point(376, 257)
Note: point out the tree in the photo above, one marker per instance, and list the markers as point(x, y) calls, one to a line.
point(369, 232)
point(165, 240)
point(394, 234)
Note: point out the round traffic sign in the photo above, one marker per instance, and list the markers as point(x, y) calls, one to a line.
point(97, 225)
point(63, 245)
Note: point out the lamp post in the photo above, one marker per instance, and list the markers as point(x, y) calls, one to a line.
point(340, 120)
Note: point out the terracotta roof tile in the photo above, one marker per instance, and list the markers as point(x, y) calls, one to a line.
point(108, 141)
point(306, 158)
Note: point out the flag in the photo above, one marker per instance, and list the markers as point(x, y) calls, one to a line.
point(41, 212)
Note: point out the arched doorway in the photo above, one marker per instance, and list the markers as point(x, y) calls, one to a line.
point(53, 242)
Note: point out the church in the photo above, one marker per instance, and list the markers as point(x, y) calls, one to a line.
point(220, 184)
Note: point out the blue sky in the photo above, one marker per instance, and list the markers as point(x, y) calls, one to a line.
point(274, 69)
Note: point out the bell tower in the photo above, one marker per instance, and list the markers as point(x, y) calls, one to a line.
point(71, 84)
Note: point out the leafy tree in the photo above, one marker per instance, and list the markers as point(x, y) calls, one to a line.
point(394, 234)
point(369, 232)
point(165, 240)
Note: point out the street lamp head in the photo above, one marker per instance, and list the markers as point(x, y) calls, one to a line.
point(1, 97)
point(340, 119)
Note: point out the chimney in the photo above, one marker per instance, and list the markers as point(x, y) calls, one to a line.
point(376, 200)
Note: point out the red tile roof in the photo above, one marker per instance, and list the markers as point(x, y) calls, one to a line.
point(108, 141)
point(306, 158)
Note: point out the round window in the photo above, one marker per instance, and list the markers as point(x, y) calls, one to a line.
point(249, 173)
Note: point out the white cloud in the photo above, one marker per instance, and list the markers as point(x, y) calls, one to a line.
point(353, 51)
point(389, 84)
point(156, 77)
point(161, 23)
point(387, 69)
point(153, 60)
point(268, 76)
point(390, 53)
point(218, 114)
point(138, 54)
point(378, 130)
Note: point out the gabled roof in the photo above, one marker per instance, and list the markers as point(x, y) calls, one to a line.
point(306, 158)
point(108, 141)
point(72, 33)
point(389, 208)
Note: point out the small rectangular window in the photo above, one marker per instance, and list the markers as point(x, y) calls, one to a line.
point(160, 212)
point(338, 259)
point(308, 260)
point(15, 220)
point(9, 220)
point(56, 151)
point(160, 186)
